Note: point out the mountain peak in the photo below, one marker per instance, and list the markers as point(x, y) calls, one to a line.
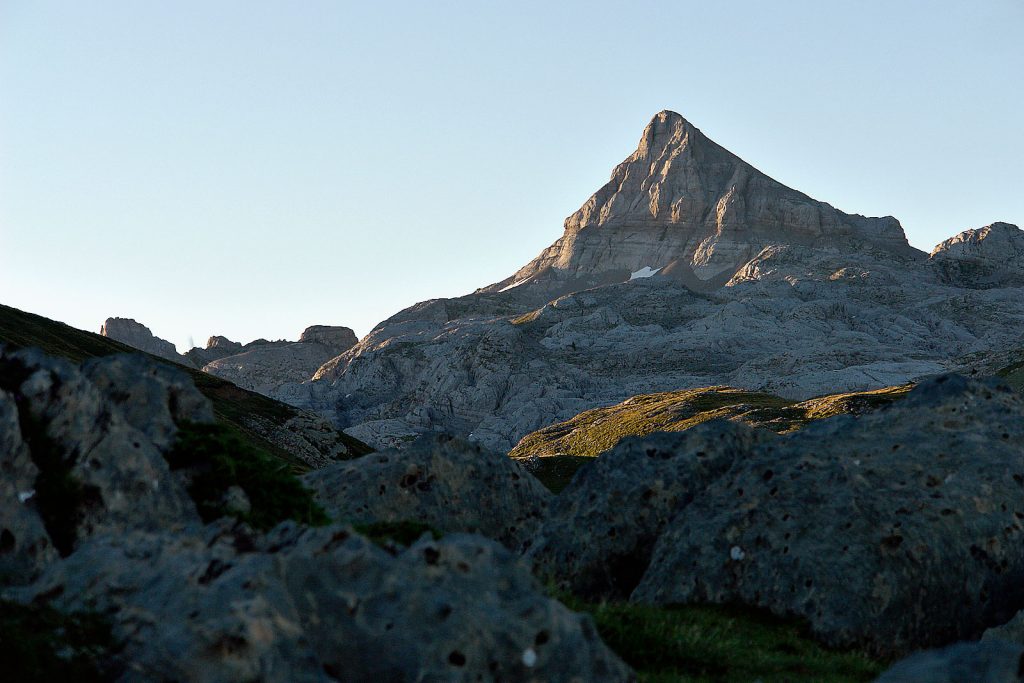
point(685, 205)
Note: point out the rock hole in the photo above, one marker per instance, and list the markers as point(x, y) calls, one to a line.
point(456, 658)
point(7, 541)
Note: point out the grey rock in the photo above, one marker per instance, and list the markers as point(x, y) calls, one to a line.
point(896, 530)
point(137, 335)
point(276, 369)
point(992, 256)
point(687, 208)
point(153, 398)
point(690, 268)
point(599, 534)
point(985, 662)
point(448, 484)
point(325, 604)
point(122, 479)
point(338, 337)
point(25, 547)
point(306, 436)
point(216, 347)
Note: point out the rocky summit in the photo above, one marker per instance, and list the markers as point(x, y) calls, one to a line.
point(689, 269)
point(682, 206)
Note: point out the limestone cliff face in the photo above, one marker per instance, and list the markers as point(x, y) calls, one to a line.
point(686, 207)
point(992, 256)
point(137, 335)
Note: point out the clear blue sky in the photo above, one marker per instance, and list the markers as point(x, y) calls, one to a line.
point(250, 168)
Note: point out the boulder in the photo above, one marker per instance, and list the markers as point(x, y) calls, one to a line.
point(897, 530)
point(94, 471)
point(599, 534)
point(324, 604)
point(448, 484)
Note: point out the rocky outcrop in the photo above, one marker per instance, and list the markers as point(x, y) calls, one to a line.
point(275, 369)
point(598, 538)
point(896, 530)
point(992, 256)
point(93, 520)
point(446, 483)
point(92, 470)
point(216, 347)
point(334, 336)
point(138, 336)
point(301, 604)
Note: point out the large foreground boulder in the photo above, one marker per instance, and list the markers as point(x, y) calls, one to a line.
point(898, 530)
point(306, 604)
point(449, 484)
point(599, 535)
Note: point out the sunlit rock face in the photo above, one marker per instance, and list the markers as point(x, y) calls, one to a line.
point(685, 205)
point(992, 256)
point(689, 268)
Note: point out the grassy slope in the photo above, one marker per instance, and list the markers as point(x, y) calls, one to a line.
point(719, 643)
point(235, 408)
point(564, 447)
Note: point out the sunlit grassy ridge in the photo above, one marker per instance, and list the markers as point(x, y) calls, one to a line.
point(594, 431)
point(564, 447)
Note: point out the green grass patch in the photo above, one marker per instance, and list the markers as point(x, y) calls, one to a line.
point(404, 532)
point(216, 459)
point(713, 644)
point(39, 643)
point(595, 431)
point(556, 471)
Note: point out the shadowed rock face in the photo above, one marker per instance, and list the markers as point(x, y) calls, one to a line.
point(446, 483)
point(687, 207)
point(893, 531)
point(92, 517)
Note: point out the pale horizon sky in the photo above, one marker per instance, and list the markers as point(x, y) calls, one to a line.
point(252, 168)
